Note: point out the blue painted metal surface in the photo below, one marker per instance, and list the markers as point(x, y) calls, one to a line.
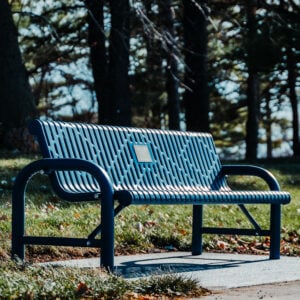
point(139, 166)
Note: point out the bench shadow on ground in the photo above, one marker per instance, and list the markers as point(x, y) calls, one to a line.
point(177, 264)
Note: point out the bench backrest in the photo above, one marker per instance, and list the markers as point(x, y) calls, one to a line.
point(133, 158)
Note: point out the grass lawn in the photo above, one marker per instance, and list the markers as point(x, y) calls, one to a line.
point(139, 229)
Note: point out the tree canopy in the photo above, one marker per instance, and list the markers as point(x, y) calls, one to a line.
point(229, 67)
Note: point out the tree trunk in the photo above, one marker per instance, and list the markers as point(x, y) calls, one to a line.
point(118, 79)
point(98, 57)
point(153, 75)
point(16, 99)
point(171, 67)
point(291, 67)
point(252, 85)
point(269, 126)
point(195, 39)
point(253, 115)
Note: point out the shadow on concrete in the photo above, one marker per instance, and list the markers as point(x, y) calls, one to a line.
point(176, 264)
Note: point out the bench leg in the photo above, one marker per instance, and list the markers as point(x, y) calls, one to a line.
point(275, 228)
point(107, 233)
point(18, 216)
point(197, 229)
point(17, 246)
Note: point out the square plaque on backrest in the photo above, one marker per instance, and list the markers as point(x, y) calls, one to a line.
point(142, 153)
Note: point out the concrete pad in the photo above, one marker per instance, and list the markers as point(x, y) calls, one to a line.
point(212, 270)
point(277, 291)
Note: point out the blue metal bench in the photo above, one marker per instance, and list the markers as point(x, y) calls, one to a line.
point(122, 166)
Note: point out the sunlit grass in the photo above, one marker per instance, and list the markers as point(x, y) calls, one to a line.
point(138, 229)
point(144, 228)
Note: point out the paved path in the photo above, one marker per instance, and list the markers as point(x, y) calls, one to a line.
point(230, 276)
point(277, 291)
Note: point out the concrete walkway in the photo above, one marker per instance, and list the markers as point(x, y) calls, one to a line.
point(214, 271)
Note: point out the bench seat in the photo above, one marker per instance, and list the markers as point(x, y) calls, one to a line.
point(197, 196)
point(121, 166)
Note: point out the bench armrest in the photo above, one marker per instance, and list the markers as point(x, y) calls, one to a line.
point(48, 165)
point(251, 170)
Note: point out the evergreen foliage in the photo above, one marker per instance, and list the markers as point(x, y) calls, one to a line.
point(57, 48)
